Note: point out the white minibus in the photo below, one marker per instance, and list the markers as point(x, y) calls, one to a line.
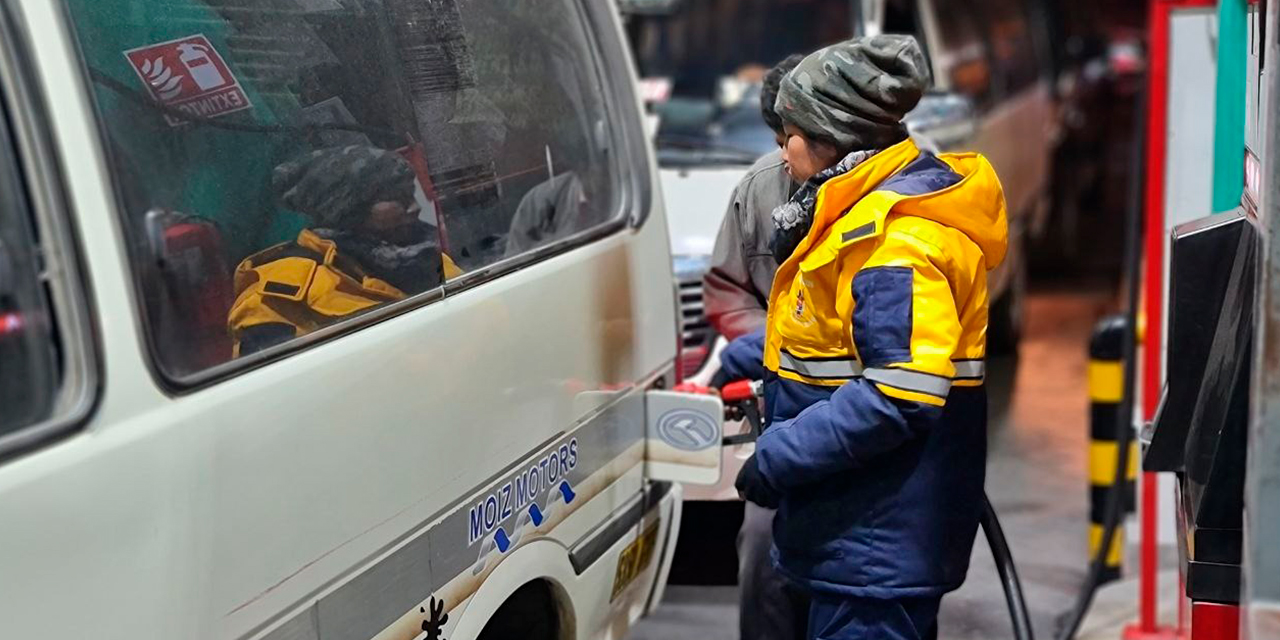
point(333, 320)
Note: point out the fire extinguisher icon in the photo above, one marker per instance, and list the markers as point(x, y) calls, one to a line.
point(205, 73)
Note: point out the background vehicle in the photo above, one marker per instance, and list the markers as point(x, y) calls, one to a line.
point(480, 449)
point(705, 69)
point(1099, 61)
point(993, 93)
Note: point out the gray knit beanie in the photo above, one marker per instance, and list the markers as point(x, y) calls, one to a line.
point(337, 186)
point(854, 94)
point(769, 89)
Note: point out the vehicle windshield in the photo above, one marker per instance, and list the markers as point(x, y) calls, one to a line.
point(702, 63)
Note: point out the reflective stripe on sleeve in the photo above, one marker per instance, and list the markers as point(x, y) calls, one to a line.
point(970, 369)
point(835, 368)
point(911, 381)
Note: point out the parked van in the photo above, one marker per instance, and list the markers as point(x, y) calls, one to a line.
point(328, 320)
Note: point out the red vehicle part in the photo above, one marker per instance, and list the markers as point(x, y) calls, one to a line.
point(192, 264)
point(10, 323)
point(740, 391)
point(1154, 294)
point(1212, 621)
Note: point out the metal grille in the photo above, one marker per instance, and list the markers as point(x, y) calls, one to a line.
point(696, 334)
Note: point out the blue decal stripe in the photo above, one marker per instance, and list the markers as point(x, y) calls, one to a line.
point(427, 557)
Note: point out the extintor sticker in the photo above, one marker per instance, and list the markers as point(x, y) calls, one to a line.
point(188, 75)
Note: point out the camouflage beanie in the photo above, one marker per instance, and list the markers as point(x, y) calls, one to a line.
point(336, 187)
point(769, 89)
point(854, 94)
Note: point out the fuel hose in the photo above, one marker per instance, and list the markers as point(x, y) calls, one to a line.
point(1019, 615)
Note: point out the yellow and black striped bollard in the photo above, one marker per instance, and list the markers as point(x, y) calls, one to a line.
point(1106, 393)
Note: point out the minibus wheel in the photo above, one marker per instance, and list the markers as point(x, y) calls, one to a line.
point(531, 612)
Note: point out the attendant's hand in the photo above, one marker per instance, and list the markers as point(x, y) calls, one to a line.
point(753, 487)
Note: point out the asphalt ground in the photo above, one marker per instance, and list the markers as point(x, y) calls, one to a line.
point(1036, 479)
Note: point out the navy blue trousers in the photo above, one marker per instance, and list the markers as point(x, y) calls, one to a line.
point(833, 617)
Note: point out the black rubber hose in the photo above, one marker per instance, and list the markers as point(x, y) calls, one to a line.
point(1019, 615)
point(1115, 505)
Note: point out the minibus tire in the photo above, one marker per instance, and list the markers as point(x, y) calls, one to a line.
point(530, 613)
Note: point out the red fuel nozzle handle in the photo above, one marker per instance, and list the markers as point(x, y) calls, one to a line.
point(740, 399)
point(740, 391)
point(689, 387)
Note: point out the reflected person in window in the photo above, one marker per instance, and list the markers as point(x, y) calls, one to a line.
point(366, 247)
point(550, 211)
point(735, 290)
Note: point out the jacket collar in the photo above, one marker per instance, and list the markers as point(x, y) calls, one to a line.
point(838, 195)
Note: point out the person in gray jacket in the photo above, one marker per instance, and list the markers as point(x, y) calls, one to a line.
point(735, 293)
point(736, 288)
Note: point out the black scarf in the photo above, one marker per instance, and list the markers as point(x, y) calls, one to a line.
point(792, 219)
point(412, 268)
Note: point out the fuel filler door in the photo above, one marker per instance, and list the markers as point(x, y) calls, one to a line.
point(683, 436)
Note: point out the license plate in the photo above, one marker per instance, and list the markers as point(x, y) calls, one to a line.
point(635, 559)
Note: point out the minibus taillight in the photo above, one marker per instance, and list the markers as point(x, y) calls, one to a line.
point(10, 323)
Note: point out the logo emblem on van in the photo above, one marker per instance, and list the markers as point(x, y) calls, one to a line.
point(687, 430)
point(190, 76)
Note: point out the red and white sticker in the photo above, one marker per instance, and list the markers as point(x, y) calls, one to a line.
point(655, 90)
point(190, 76)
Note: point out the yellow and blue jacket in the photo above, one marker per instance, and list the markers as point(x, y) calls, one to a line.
point(874, 361)
point(294, 288)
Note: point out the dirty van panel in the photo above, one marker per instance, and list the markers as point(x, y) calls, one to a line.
point(272, 157)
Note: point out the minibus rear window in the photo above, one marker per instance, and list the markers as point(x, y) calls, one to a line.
point(284, 165)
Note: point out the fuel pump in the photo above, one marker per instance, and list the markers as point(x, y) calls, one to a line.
point(1200, 429)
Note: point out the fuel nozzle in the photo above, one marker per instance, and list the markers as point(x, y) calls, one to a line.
point(742, 402)
point(742, 391)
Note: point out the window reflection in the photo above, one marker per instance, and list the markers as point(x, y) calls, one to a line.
point(285, 164)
